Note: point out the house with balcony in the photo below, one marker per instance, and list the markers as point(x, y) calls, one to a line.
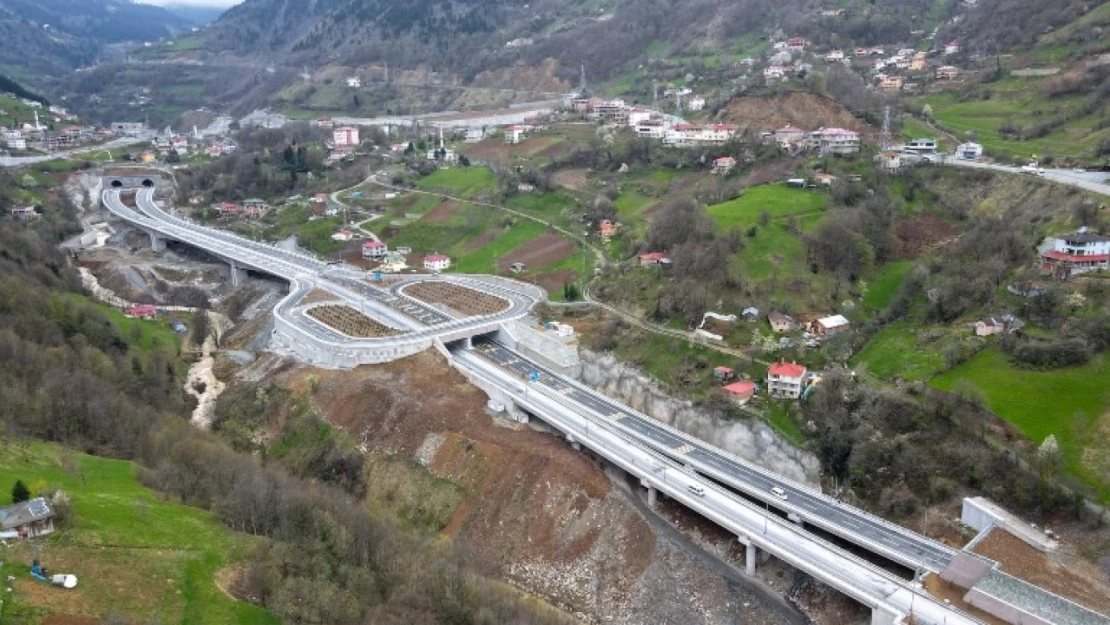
point(837, 141)
point(374, 249)
point(786, 380)
point(1076, 253)
point(437, 262)
point(723, 165)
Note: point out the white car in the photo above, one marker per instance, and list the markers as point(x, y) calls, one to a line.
point(696, 490)
point(777, 491)
point(1080, 170)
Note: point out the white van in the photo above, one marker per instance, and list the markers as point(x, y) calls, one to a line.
point(777, 491)
point(696, 489)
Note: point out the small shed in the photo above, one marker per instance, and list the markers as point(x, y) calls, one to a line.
point(723, 373)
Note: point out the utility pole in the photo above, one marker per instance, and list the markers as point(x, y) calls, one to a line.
point(387, 72)
point(582, 79)
point(655, 95)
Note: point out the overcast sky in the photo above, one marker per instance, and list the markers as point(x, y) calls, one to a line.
point(199, 3)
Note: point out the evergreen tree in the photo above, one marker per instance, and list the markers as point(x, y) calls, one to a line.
point(20, 492)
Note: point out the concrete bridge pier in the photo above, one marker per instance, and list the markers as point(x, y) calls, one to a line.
point(750, 553)
point(238, 274)
point(799, 521)
point(157, 243)
point(652, 493)
point(575, 445)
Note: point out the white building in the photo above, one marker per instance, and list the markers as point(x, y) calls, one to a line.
point(774, 72)
point(651, 128)
point(345, 136)
point(436, 262)
point(836, 141)
point(637, 115)
point(698, 134)
point(833, 56)
point(1078, 252)
point(513, 134)
point(723, 165)
point(354, 82)
point(16, 144)
point(474, 135)
point(969, 151)
point(374, 249)
point(785, 380)
point(696, 103)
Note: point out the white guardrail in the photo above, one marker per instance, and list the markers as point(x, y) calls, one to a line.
point(855, 577)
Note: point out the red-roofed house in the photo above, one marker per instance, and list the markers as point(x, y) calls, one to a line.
point(789, 134)
point(229, 210)
point(652, 258)
point(796, 43)
point(1078, 252)
point(606, 230)
point(785, 379)
point(513, 134)
point(723, 373)
point(142, 311)
point(741, 391)
point(723, 165)
point(320, 198)
point(436, 262)
point(374, 249)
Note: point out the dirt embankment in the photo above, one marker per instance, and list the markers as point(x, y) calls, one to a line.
point(533, 511)
point(802, 110)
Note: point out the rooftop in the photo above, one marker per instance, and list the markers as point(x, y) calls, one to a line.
point(787, 369)
point(22, 513)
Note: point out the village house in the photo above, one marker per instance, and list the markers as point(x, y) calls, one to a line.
point(833, 56)
point(686, 135)
point(836, 141)
point(24, 213)
point(774, 72)
point(890, 160)
point(789, 135)
point(651, 128)
point(323, 122)
point(1076, 253)
point(320, 198)
point(723, 373)
point(228, 210)
point(345, 136)
point(374, 249)
point(513, 135)
point(796, 44)
point(969, 151)
point(525, 187)
point(696, 103)
point(830, 326)
point(606, 230)
point(652, 259)
point(891, 83)
point(354, 82)
point(952, 47)
point(785, 380)
point(947, 72)
point(637, 115)
point(919, 61)
point(27, 519)
point(474, 135)
point(780, 322)
point(342, 235)
point(824, 179)
point(141, 311)
point(988, 326)
point(436, 262)
point(255, 207)
point(741, 391)
point(723, 165)
point(750, 314)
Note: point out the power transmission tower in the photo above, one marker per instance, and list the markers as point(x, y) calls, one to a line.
point(886, 127)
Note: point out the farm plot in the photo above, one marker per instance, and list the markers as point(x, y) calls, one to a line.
point(466, 301)
point(350, 322)
point(546, 249)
